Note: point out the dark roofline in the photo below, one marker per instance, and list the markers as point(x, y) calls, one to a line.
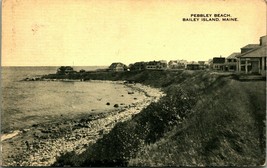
point(233, 55)
point(251, 45)
point(254, 49)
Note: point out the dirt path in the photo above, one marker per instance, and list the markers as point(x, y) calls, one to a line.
point(41, 145)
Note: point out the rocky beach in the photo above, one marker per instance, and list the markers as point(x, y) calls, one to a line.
point(194, 118)
point(41, 144)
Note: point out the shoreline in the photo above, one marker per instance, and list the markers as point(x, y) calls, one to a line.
point(43, 144)
point(6, 134)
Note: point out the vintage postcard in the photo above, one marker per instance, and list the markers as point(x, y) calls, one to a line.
point(133, 83)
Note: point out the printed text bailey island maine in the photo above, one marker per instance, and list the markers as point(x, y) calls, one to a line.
point(130, 83)
point(210, 17)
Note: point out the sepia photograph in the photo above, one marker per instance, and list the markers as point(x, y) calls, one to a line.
point(133, 83)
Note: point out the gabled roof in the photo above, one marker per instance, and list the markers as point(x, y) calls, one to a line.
point(156, 62)
point(115, 64)
point(179, 62)
point(233, 55)
point(256, 52)
point(140, 63)
point(251, 46)
point(163, 61)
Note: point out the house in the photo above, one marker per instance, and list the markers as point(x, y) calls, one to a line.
point(252, 59)
point(138, 66)
point(177, 64)
point(193, 66)
point(156, 65)
point(218, 63)
point(248, 47)
point(203, 65)
point(231, 62)
point(210, 63)
point(117, 67)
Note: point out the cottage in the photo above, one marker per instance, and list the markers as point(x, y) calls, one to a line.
point(253, 60)
point(117, 67)
point(177, 64)
point(156, 65)
point(231, 62)
point(218, 63)
point(138, 66)
point(192, 66)
point(203, 65)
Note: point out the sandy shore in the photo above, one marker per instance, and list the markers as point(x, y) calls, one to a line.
point(43, 143)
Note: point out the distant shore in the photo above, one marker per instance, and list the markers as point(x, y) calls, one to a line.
point(43, 143)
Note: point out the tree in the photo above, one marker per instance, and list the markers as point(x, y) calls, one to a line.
point(64, 70)
point(82, 71)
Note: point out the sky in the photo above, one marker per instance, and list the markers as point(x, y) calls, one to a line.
point(99, 32)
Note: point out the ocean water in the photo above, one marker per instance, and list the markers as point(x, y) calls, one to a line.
point(25, 103)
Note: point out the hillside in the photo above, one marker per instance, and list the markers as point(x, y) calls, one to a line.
point(227, 128)
point(205, 119)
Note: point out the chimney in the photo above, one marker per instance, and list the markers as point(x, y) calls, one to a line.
point(263, 41)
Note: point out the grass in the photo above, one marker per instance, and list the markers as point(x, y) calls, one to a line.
point(224, 130)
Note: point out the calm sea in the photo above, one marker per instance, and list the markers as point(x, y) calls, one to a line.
point(25, 103)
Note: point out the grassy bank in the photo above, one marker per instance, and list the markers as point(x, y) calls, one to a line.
point(227, 128)
point(205, 119)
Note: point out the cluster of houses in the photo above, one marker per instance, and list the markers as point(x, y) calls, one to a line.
point(138, 66)
point(250, 60)
point(159, 65)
